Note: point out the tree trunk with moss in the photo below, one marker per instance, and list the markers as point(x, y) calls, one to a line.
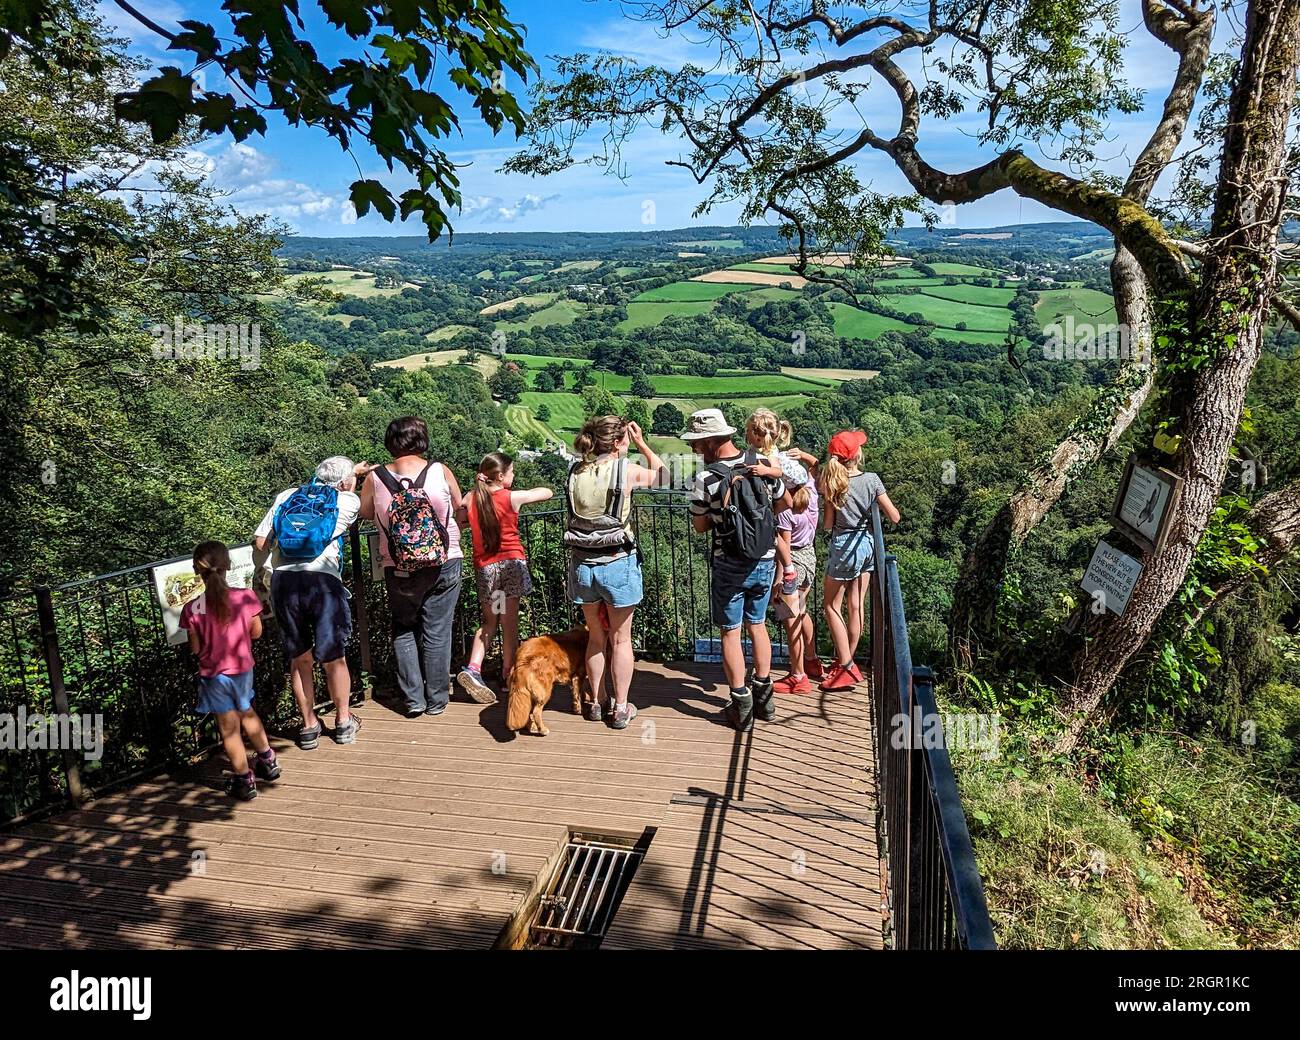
point(1222, 322)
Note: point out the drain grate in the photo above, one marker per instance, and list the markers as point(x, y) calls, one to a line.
point(583, 891)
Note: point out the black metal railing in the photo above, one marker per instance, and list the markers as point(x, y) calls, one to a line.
point(98, 647)
point(935, 896)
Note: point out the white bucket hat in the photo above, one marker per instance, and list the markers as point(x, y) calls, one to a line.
point(706, 423)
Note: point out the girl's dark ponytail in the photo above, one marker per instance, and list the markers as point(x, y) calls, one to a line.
point(211, 562)
point(493, 467)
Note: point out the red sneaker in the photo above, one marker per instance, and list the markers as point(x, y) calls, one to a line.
point(852, 669)
point(814, 668)
point(838, 679)
point(791, 685)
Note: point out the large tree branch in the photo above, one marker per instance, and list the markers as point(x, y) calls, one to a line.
point(1189, 35)
point(1133, 227)
point(1275, 522)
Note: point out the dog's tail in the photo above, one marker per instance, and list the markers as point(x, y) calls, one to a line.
point(519, 704)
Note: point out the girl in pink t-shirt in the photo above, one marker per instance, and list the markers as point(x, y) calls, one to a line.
point(222, 623)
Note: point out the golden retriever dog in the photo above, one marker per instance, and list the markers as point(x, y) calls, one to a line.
point(541, 663)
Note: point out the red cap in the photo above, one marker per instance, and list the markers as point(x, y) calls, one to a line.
point(845, 445)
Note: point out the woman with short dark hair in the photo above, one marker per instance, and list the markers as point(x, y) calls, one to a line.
point(407, 436)
point(414, 502)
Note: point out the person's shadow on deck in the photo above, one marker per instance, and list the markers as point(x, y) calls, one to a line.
point(174, 862)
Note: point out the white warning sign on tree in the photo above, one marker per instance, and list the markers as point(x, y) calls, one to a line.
point(1110, 577)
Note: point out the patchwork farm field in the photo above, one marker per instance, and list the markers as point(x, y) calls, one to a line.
point(350, 282)
point(949, 313)
point(982, 295)
point(692, 291)
point(647, 315)
point(853, 323)
point(1084, 305)
point(437, 359)
point(536, 300)
point(561, 312)
point(983, 310)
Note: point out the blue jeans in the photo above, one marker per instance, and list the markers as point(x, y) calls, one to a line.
point(741, 590)
point(617, 582)
point(423, 606)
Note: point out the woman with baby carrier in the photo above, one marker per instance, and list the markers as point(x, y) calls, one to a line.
point(414, 502)
point(604, 569)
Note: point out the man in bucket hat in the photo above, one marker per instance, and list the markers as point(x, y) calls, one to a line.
point(743, 555)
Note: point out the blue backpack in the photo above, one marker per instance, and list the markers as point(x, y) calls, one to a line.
point(304, 524)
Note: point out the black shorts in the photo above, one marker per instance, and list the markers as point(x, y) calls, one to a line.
point(312, 610)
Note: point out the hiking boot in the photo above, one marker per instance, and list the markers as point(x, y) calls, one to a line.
point(346, 732)
point(472, 683)
point(242, 786)
point(309, 737)
point(266, 768)
point(739, 714)
point(764, 702)
point(622, 715)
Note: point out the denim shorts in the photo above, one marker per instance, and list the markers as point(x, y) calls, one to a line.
point(312, 610)
point(741, 591)
point(617, 582)
point(850, 553)
point(218, 693)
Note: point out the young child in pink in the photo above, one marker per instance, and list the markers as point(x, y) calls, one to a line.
point(222, 624)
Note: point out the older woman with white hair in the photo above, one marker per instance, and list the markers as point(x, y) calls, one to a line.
point(305, 528)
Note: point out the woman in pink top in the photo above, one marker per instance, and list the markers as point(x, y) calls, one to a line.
point(222, 624)
point(422, 594)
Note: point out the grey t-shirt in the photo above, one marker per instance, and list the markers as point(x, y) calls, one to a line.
point(864, 488)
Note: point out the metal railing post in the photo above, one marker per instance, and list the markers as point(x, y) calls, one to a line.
point(914, 827)
point(58, 693)
point(361, 586)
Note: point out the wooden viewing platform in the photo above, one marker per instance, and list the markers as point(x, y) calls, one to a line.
point(433, 832)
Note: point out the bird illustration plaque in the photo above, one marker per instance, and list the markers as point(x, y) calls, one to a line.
point(1144, 507)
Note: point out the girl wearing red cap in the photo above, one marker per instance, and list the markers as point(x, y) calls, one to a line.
point(847, 494)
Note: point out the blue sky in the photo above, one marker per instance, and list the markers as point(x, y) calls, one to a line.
point(300, 175)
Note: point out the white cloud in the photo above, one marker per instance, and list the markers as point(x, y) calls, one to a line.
point(246, 175)
point(474, 205)
point(528, 204)
point(493, 209)
point(241, 165)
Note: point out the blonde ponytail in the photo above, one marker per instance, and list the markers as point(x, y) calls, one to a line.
point(833, 479)
point(766, 433)
point(833, 482)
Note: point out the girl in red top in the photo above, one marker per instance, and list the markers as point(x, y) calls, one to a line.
point(500, 566)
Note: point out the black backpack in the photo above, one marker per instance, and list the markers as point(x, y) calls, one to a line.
point(748, 527)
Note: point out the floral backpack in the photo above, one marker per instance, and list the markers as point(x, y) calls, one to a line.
point(416, 537)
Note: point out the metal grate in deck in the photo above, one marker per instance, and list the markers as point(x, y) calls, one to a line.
point(583, 892)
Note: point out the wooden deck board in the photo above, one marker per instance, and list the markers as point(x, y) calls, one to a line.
point(430, 833)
